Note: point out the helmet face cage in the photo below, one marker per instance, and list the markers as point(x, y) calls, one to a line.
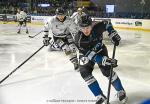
point(85, 21)
point(60, 11)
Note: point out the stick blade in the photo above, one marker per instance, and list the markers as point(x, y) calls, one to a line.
point(31, 36)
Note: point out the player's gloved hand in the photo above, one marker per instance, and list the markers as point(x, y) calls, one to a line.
point(66, 49)
point(63, 46)
point(67, 52)
point(73, 47)
point(109, 62)
point(83, 60)
point(46, 40)
point(115, 38)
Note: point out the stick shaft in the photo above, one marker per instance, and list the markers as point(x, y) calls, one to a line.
point(110, 78)
point(35, 34)
point(20, 65)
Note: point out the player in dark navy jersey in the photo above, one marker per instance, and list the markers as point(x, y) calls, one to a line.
point(92, 51)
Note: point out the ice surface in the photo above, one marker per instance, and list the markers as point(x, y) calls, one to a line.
point(49, 78)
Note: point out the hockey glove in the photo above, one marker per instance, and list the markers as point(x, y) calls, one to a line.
point(63, 46)
point(115, 38)
point(83, 60)
point(73, 47)
point(46, 40)
point(66, 49)
point(109, 62)
point(67, 52)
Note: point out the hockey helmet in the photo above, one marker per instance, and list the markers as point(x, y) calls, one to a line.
point(79, 9)
point(60, 11)
point(85, 21)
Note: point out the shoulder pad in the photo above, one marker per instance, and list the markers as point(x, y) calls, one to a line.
point(75, 13)
point(49, 20)
point(99, 25)
point(99, 28)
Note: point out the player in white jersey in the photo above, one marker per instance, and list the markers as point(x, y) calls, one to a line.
point(77, 15)
point(21, 18)
point(62, 27)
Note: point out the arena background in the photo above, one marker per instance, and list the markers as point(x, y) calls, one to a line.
point(121, 13)
point(48, 76)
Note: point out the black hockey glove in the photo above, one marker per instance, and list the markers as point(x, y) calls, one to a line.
point(46, 40)
point(115, 38)
point(109, 62)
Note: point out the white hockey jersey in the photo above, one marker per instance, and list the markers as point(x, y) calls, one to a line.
point(60, 29)
point(76, 17)
point(21, 16)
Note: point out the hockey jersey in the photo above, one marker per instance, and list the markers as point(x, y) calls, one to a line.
point(60, 29)
point(76, 17)
point(94, 41)
point(21, 16)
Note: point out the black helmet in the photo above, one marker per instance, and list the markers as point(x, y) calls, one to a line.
point(85, 21)
point(60, 11)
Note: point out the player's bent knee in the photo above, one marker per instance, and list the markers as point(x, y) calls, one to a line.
point(106, 71)
point(85, 73)
point(114, 77)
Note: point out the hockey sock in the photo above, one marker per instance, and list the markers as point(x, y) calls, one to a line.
point(26, 28)
point(19, 27)
point(94, 87)
point(117, 84)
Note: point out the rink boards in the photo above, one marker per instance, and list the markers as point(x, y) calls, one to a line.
point(120, 23)
point(135, 24)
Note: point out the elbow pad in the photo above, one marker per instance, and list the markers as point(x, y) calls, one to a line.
point(94, 57)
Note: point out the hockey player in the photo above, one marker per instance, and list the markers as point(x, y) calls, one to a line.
point(61, 27)
point(21, 18)
point(77, 15)
point(92, 50)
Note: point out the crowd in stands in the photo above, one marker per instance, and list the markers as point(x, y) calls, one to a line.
point(8, 8)
point(37, 9)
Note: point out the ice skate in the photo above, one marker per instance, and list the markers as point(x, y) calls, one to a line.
point(27, 32)
point(122, 97)
point(101, 100)
point(18, 32)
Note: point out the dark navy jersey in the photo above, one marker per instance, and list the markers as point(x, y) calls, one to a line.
point(94, 40)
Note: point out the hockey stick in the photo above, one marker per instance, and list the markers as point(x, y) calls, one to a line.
point(35, 34)
point(21, 64)
point(110, 78)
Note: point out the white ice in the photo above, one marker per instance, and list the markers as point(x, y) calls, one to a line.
point(49, 78)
